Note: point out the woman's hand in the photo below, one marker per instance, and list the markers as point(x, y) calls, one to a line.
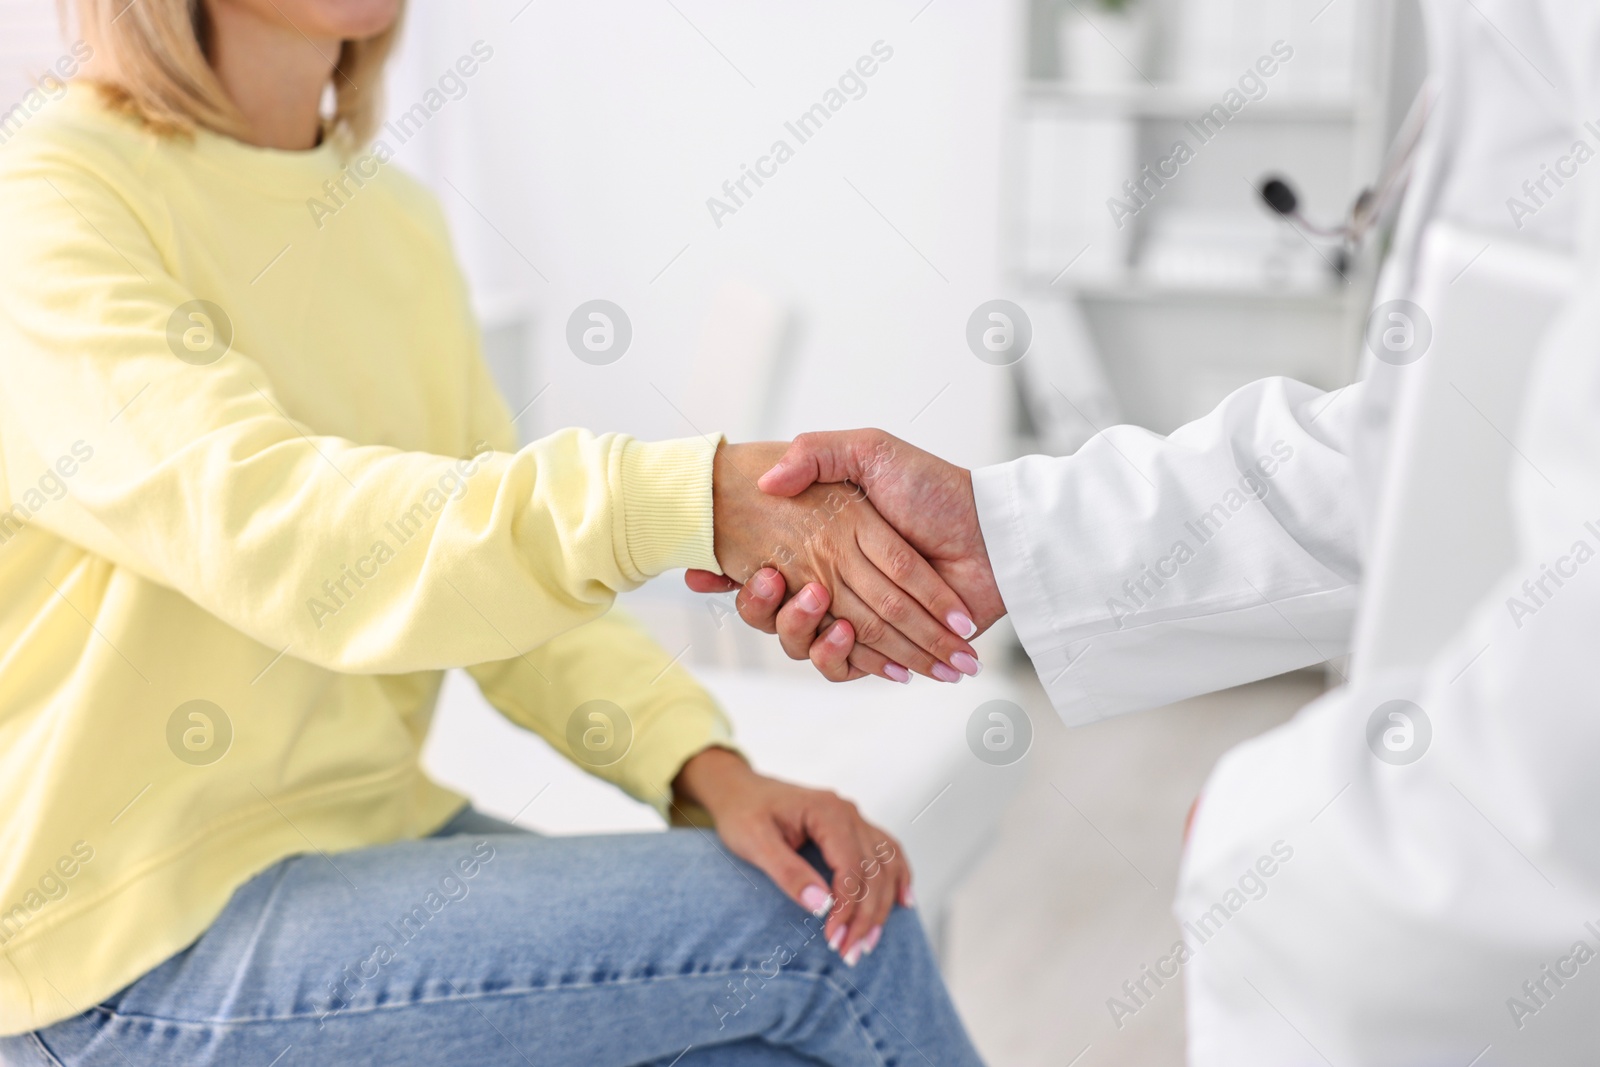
point(766, 821)
point(929, 502)
point(896, 603)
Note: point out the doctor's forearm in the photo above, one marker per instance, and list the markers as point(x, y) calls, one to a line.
point(1226, 551)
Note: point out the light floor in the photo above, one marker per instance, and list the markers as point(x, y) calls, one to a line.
point(1075, 895)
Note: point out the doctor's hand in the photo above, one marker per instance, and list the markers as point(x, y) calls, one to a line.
point(828, 535)
point(928, 501)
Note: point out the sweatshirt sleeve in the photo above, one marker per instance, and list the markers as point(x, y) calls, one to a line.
point(354, 557)
point(639, 716)
point(612, 701)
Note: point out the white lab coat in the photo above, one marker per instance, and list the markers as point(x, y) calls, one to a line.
point(1417, 900)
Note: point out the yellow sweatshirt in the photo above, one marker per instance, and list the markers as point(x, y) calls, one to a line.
point(240, 539)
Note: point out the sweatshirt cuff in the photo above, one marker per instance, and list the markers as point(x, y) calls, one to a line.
point(676, 737)
point(666, 506)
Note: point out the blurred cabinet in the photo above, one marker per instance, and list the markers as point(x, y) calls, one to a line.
point(1142, 130)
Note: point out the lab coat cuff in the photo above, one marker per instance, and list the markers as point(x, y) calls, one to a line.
point(1004, 520)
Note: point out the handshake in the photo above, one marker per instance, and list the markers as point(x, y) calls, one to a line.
point(877, 540)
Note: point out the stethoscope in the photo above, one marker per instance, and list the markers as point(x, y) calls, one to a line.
point(1373, 202)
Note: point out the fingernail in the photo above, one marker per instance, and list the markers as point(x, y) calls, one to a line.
point(837, 939)
point(853, 957)
point(836, 636)
point(909, 897)
point(816, 900)
point(945, 674)
point(965, 663)
point(960, 625)
point(765, 587)
point(870, 942)
point(808, 600)
point(897, 672)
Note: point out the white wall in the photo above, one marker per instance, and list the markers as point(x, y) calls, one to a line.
point(31, 47)
point(593, 137)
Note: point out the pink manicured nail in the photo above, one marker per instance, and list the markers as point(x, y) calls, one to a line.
point(909, 898)
point(945, 674)
point(965, 664)
point(897, 672)
point(808, 600)
point(870, 942)
point(960, 625)
point(853, 957)
point(816, 900)
point(764, 584)
point(837, 939)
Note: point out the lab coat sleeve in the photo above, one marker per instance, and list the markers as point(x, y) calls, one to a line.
point(1449, 860)
point(1144, 569)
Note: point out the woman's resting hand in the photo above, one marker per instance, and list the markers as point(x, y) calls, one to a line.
point(765, 822)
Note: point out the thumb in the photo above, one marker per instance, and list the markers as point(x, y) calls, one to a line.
point(706, 582)
point(813, 457)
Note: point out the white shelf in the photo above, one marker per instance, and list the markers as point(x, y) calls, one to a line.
point(1171, 298)
point(1182, 102)
point(1142, 292)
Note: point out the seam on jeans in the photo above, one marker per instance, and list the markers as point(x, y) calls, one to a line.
point(44, 1050)
point(827, 979)
point(861, 1026)
point(112, 1014)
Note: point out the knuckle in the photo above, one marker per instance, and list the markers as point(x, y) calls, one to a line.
point(872, 631)
point(900, 565)
point(894, 607)
point(833, 672)
point(796, 628)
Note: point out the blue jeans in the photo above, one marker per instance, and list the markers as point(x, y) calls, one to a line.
point(486, 945)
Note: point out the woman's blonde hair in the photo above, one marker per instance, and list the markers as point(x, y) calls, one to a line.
point(154, 67)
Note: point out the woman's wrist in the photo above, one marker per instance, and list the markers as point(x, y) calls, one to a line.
point(713, 777)
point(740, 511)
